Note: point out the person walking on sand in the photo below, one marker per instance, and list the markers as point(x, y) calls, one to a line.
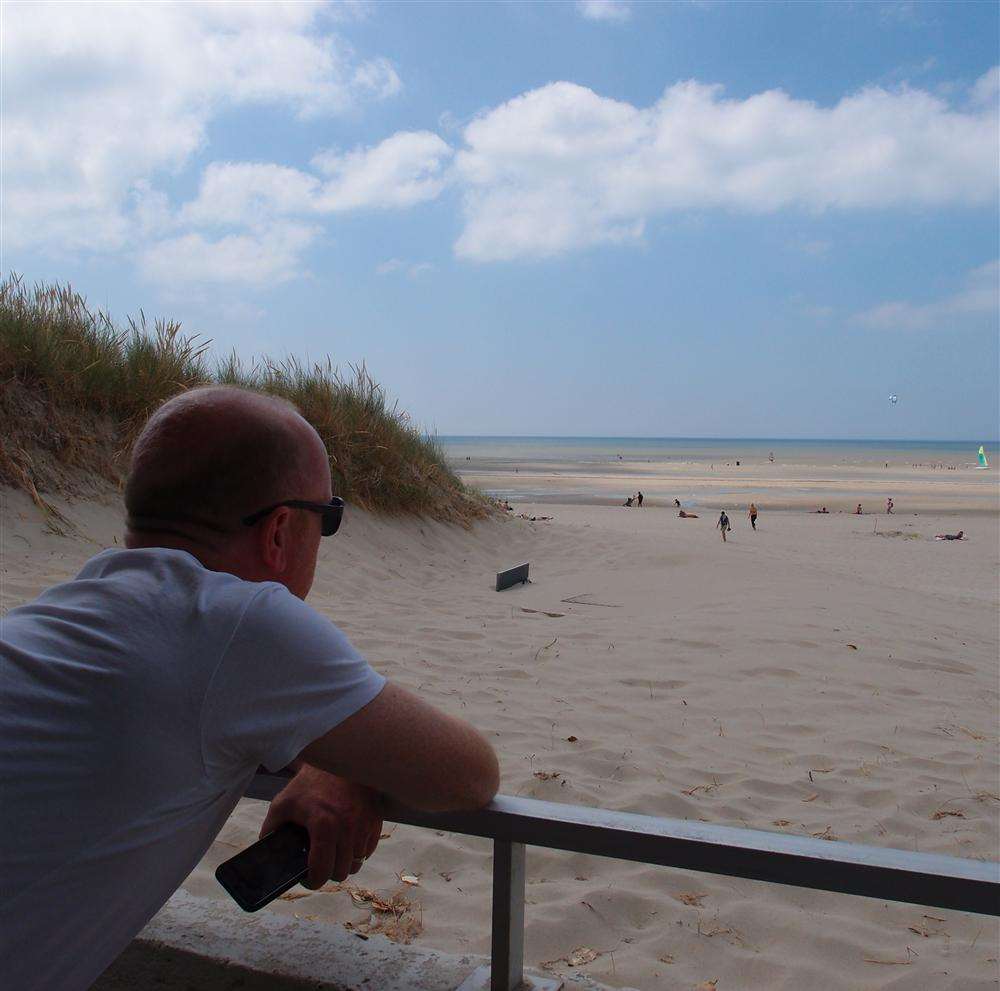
point(723, 525)
point(638, 499)
point(888, 506)
point(752, 515)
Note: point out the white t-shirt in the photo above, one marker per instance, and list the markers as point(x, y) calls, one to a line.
point(136, 702)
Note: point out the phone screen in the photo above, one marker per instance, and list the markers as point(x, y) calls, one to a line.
point(267, 869)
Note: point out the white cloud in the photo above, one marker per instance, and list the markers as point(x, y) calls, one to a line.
point(350, 10)
point(986, 90)
point(256, 260)
point(980, 294)
point(150, 209)
point(561, 168)
point(102, 101)
point(266, 206)
point(102, 97)
point(249, 193)
point(375, 78)
point(404, 169)
point(604, 10)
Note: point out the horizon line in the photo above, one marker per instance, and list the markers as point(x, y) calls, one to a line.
point(849, 440)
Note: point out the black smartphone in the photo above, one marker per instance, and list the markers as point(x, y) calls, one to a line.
point(261, 872)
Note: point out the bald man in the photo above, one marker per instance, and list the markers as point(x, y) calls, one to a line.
point(140, 697)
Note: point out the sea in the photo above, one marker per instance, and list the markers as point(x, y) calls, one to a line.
point(604, 450)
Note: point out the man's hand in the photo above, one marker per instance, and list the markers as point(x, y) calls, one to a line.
point(343, 819)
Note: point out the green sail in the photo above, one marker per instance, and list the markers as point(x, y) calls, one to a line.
point(983, 463)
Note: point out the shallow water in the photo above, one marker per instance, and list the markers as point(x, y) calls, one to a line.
point(601, 450)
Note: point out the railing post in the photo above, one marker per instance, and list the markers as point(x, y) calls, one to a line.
point(507, 970)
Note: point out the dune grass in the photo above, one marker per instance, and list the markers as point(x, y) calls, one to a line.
point(77, 388)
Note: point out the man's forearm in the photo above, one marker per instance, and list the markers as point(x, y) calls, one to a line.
point(298, 765)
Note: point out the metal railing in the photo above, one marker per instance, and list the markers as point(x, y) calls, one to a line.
point(804, 862)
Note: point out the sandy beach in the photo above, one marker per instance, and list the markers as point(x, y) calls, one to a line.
point(918, 481)
point(833, 676)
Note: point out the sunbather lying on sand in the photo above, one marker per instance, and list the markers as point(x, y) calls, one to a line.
point(687, 516)
point(950, 536)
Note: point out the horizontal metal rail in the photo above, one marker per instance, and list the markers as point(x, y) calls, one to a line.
point(826, 865)
point(801, 861)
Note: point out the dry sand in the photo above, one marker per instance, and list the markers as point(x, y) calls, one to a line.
point(813, 677)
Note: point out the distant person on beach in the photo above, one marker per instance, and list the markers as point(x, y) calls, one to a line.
point(723, 525)
point(857, 512)
point(687, 516)
point(638, 499)
point(888, 505)
point(752, 515)
point(950, 536)
point(677, 502)
point(629, 501)
point(140, 697)
point(823, 510)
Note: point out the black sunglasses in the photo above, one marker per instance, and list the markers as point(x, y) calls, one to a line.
point(333, 512)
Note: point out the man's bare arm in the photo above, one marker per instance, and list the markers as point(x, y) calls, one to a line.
point(407, 749)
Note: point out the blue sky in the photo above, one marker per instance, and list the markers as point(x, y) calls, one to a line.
point(683, 219)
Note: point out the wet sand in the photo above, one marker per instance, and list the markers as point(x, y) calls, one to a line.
point(799, 485)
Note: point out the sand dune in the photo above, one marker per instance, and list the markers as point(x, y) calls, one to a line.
point(812, 677)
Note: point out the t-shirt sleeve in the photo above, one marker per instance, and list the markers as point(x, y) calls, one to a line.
point(287, 677)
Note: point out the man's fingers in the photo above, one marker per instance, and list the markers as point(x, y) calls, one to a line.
point(374, 835)
point(342, 819)
point(273, 819)
point(345, 861)
point(281, 810)
point(322, 859)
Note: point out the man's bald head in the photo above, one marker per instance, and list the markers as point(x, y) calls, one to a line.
point(213, 455)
